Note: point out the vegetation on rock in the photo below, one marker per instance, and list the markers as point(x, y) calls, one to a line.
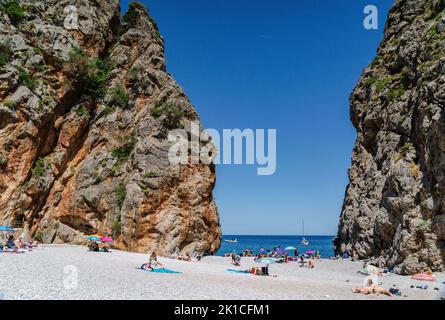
point(5, 54)
point(14, 11)
point(27, 80)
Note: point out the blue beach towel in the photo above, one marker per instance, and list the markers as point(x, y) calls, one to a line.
point(238, 271)
point(161, 271)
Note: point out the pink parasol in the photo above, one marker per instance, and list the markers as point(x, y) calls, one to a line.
point(106, 239)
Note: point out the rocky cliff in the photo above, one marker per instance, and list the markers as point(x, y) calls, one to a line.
point(86, 105)
point(394, 209)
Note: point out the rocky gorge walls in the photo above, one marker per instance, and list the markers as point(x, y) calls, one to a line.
point(85, 107)
point(394, 208)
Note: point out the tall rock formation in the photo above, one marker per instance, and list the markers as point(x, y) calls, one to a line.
point(86, 105)
point(394, 210)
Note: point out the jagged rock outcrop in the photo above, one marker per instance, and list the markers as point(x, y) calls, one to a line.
point(86, 104)
point(394, 210)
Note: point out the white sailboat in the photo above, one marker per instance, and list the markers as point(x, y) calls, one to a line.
point(304, 242)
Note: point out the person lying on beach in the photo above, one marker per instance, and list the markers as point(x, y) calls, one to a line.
point(370, 270)
point(373, 289)
point(103, 248)
point(261, 271)
point(93, 246)
point(185, 258)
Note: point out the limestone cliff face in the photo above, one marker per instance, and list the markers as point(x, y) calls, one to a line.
point(394, 210)
point(84, 115)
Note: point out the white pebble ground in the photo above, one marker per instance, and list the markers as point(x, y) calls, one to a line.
point(40, 275)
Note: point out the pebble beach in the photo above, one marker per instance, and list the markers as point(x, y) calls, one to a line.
point(63, 272)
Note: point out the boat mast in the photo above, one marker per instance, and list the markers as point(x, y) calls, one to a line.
point(303, 228)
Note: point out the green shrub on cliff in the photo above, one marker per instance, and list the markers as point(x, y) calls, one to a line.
point(11, 104)
point(88, 74)
point(120, 96)
point(38, 236)
point(5, 54)
point(432, 32)
point(370, 81)
point(133, 74)
point(13, 10)
point(395, 94)
point(116, 226)
point(3, 160)
point(381, 84)
point(27, 80)
point(124, 151)
point(80, 111)
point(121, 193)
point(155, 26)
point(150, 174)
point(132, 15)
point(39, 168)
point(172, 114)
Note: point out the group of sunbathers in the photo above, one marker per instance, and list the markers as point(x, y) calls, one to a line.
point(16, 246)
point(347, 255)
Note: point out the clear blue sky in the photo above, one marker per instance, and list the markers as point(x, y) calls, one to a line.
point(289, 65)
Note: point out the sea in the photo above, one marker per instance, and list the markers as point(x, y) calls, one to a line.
point(323, 244)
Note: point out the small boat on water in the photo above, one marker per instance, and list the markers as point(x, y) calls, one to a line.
point(231, 241)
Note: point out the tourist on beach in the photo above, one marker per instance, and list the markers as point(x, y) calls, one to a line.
point(152, 262)
point(236, 260)
point(302, 260)
point(10, 243)
point(372, 288)
point(185, 258)
point(20, 244)
point(311, 263)
point(93, 246)
point(354, 256)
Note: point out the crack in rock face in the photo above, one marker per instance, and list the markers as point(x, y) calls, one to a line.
point(394, 208)
point(85, 107)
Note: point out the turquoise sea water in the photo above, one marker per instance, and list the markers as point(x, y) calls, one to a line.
point(322, 243)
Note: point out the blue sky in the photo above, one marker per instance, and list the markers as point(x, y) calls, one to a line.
point(289, 65)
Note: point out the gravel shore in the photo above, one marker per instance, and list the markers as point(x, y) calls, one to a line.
point(71, 272)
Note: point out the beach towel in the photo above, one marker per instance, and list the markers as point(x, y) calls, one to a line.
point(238, 271)
point(161, 271)
point(423, 277)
